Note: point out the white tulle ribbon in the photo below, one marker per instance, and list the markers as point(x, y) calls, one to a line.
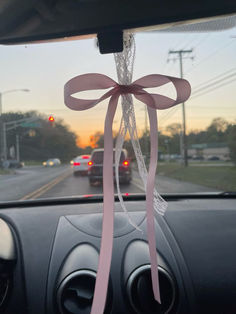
point(124, 67)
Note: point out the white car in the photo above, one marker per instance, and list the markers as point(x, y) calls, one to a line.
point(52, 162)
point(81, 164)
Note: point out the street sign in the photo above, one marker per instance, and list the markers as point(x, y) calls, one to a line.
point(30, 125)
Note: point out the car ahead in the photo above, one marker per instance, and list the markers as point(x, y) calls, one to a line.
point(214, 158)
point(198, 158)
point(52, 162)
point(95, 171)
point(13, 164)
point(80, 165)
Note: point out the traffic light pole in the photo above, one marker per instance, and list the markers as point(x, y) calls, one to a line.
point(7, 126)
point(3, 152)
point(180, 54)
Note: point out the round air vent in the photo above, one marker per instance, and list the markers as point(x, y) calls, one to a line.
point(140, 295)
point(75, 293)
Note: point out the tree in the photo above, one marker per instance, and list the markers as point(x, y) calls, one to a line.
point(47, 141)
point(173, 141)
point(174, 129)
point(216, 131)
point(97, 140)
point(219, 131)
point(232, 141)
point(218, 124)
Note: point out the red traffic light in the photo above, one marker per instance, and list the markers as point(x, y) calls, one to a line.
point(51, 119)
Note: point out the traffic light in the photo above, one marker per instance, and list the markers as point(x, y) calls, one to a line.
point(51, 119)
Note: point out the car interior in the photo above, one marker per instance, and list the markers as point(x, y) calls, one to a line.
point(49, 247)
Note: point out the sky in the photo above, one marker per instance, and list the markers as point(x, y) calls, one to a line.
point(45, 68)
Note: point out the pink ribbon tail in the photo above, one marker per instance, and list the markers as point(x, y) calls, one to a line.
point(101, 286)
point(149, 203)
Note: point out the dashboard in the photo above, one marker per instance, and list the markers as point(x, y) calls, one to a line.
point(49, 257)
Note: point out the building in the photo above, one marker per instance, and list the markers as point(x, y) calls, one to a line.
point(209, 151)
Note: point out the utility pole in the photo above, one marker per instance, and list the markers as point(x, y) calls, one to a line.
point(180, 54)
point(17, 148)
point(4, 142)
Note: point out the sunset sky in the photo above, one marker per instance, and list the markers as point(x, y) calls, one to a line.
point(45, 68)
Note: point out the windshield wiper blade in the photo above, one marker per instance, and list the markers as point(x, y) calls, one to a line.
point(228, 194)
point(98, 198)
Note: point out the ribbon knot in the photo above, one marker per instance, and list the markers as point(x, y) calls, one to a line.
point(128, 89)
point(96, 81)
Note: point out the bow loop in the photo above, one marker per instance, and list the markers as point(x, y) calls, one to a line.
point(85, 82)
point(157, 101)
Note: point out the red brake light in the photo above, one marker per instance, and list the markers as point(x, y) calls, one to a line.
point(85, 157)
point(90, 163)
point(125, 163)
point(76, 163)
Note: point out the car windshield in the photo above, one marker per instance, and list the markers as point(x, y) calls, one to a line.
point(40, 137)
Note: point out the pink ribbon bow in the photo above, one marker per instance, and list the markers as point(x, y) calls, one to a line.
point(96, 81)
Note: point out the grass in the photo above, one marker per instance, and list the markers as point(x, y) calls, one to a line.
point(211, 162)
point(33, 163)
point(4, 171)
point(219, 177)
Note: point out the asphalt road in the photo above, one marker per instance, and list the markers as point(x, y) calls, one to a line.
point(39, 182)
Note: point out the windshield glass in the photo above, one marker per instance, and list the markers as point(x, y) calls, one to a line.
point(41, 138)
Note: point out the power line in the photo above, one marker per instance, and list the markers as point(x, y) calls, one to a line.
point(188, 42)
point(169, 114)
point(211, 55)
point(214, 83)
point(198, 43)
point(215, 77)
point(172, 111)
point(201, 41)
point(211, 90)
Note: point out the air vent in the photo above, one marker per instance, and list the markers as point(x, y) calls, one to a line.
point(75, 294)
point(140, 295)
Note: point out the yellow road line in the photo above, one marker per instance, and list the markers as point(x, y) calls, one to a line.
point(46, 187)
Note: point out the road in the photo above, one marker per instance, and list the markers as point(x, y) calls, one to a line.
point(38, 182)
